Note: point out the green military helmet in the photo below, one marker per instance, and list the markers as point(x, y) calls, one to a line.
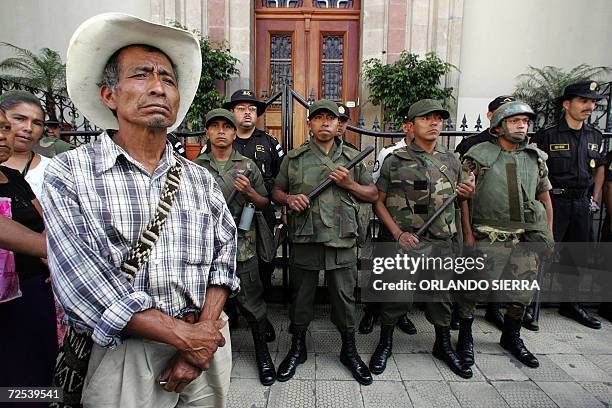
point(511, 109)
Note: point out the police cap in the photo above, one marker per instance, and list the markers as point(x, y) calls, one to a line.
point(585, 89)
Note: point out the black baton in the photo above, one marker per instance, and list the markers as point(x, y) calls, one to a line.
point(325, 184)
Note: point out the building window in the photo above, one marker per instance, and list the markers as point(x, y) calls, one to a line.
point(333, 3)
point(281, 3)
point(280, 61)
point(332, 67)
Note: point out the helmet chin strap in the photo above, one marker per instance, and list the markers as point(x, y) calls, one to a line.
point(514, 137)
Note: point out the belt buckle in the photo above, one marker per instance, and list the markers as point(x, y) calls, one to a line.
point(558, 191)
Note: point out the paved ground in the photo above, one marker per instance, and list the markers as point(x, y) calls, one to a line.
point(575, 369)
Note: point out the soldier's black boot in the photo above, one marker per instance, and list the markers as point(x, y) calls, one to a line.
point(494, 316)
point(443, 350)
point(511, 341)
point(576, 312)
point(454, 324)
point(378, 362)
point(529, 321)
point(265, 366)
point(297, 355)
point(269, 332)
point(350, 358)
point(366, 325)
point(465, 343)
point(406, 325)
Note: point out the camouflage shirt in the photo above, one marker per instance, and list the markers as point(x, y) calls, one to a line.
point(225, 176)
point(332, 216)
point(416, 184)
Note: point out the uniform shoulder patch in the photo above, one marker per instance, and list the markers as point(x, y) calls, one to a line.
point(300, 150)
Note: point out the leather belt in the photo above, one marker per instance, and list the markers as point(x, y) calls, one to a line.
point(569, 192)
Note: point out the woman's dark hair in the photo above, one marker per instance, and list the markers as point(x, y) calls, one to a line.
point(10, 99)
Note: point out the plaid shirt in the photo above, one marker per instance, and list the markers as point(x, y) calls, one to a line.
point(97, 202)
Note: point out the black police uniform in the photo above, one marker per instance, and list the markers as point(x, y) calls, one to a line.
point(572, 157)
point(265, 151)
point(469, 141)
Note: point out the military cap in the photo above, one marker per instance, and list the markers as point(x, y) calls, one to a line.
point(423, 108)
point(248, 96)
point(499, 101)
point(323, 104)
point(585, 89)
point(344, 111)
point(52, 122)
point(220, 113)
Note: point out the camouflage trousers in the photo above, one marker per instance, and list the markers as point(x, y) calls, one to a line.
point(250, 298)
point(340, 266)
point(504, 261)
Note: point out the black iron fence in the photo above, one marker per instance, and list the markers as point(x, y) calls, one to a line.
point(81, 131)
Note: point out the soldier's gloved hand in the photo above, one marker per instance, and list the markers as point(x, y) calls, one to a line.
point(342, 177)
point(466, 189)
point(407, 240)
point(298, 202)
point(593, 206)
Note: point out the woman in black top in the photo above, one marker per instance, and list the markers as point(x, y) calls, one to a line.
point(28, 343)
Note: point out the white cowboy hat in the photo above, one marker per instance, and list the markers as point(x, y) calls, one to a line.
point(97, 39)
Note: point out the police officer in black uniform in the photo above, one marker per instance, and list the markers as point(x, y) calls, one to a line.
point(605, 309)
point(574, 164)
point(265, 151)
point(485, 135)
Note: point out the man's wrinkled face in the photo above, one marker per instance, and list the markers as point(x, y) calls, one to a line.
point(245, 114)
point(221, 132)
point(579, 108)
point(27, 123)
point(147, 91)
point(323, 126)
point(7, 138)
point(426, 128)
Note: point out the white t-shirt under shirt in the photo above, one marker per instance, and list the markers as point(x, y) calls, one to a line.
point(383, 155)
point(35, 176)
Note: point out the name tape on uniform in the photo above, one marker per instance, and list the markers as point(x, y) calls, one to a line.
point(559, 146)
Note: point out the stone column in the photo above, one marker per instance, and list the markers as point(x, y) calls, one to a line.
point(241, 39)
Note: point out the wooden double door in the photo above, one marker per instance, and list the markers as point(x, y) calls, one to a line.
point(316, 50)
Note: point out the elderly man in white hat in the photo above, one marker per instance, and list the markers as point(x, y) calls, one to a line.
point(141, 244)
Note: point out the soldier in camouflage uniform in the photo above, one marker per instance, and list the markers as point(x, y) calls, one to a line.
point(414, 181)
point(227, 165)
point(323, 234)
point(511, 205)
